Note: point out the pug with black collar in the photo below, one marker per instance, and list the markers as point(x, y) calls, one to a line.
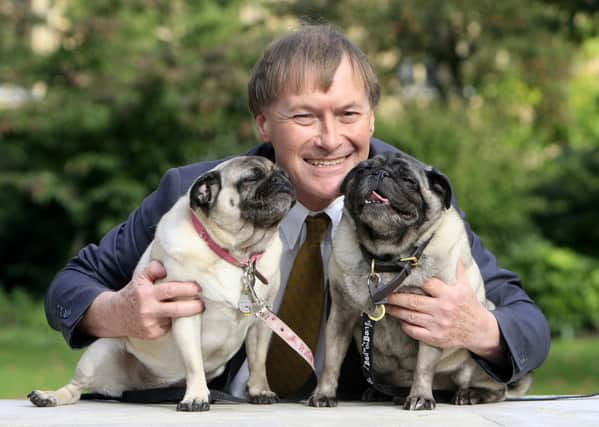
point(223, 234)
point(398, 211)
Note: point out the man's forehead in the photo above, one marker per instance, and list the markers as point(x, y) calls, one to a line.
point(311, 78)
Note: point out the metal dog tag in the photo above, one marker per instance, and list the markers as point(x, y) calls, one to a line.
point(377, 312)
point(249, 301)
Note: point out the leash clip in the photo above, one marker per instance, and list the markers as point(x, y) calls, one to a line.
point(249, 302)
point(376, 311)
point(412, 260)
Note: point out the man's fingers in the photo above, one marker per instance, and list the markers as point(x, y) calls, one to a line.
point(410, 301)
point(433, 287)
point(154, 271)
point(181, 308)
point(174, 290)
point(413, 317)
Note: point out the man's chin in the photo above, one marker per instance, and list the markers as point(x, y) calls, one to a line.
point(317, 199)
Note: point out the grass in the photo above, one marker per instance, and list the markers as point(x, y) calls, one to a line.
point(571, 368)
point(33, 356)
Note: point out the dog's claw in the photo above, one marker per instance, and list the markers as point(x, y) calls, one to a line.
point(321, 401)
point(474, 396)
point(465, 397)
point(419, 403)
point(40, 399)
point(264, 398)
point(193, 406)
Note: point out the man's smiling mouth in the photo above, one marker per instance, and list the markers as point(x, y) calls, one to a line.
point(325, 162)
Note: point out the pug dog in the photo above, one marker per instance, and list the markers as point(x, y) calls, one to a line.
point(239, 205)
point(396, 206)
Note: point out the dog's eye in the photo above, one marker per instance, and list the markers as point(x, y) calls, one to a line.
point(410, 181)
point(408, 216)
point(254, 176)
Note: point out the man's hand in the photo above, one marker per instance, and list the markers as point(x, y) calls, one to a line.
point(142, 309)
point(450, 316)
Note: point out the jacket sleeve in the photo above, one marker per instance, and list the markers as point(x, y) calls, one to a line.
point(524, 330)
point(108, 265)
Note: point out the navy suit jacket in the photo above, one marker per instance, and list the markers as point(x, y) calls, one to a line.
point(110, 265)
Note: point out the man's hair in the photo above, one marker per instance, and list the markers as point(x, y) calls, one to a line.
point(312, 50)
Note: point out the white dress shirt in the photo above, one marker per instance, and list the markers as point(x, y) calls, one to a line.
point(293, 233)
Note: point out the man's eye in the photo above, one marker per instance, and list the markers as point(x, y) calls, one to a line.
point(303, 118)
point(350, 116)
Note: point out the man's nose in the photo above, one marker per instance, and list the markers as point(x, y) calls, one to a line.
point(329, 133)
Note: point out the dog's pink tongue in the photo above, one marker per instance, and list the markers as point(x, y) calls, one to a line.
point(377, 197)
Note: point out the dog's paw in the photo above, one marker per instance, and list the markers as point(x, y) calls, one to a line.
point(263, 398)
point(195, 405)
point(473, 396)
point(319, 400)
point(41, 399)
point(419, 403)
point(465, 396)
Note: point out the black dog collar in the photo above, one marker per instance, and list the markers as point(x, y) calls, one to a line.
point(379, 290)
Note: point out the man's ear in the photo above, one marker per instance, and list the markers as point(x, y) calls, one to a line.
point(371, 123)
point(439, 184)
point(204, 191)
point(263, 127)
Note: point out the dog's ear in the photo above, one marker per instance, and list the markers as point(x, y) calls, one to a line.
point(204, 191)
point(439, 184)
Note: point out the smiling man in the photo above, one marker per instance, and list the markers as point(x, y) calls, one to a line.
point(320, 128)
point(313, 95)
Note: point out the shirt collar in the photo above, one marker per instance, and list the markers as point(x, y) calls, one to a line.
point(291, 226)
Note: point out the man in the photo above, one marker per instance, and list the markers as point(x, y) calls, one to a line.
point(313, 95)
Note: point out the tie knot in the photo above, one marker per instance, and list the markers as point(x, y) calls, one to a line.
point(315, 227)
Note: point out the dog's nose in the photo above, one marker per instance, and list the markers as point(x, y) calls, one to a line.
point(278, 179)
point(381, 174)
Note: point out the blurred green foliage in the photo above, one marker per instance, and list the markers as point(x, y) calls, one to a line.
point(501, 96)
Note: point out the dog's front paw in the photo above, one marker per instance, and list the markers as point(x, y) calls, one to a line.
point(41, 398)
point(263, 398)
point(195, 405)
point(419, 403)
point(319, 400)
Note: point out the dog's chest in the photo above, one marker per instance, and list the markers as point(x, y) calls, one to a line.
point(223, 332)
point(391, 347)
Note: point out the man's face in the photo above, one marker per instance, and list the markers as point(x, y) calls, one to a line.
point(319, 136)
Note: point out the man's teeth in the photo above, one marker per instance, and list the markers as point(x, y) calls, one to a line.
point(324, 163)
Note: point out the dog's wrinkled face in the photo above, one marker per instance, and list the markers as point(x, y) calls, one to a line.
point(243, 191)
point(393, 199)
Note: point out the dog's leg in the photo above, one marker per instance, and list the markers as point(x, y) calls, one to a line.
point(338, 336)
point(475, 386)
point(462, 378)
point(256, 344)
point(100, 369)
point(421, 392)
point(67, 394)
point(187, 332)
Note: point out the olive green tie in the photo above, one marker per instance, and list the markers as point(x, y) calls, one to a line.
point(301, 309)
